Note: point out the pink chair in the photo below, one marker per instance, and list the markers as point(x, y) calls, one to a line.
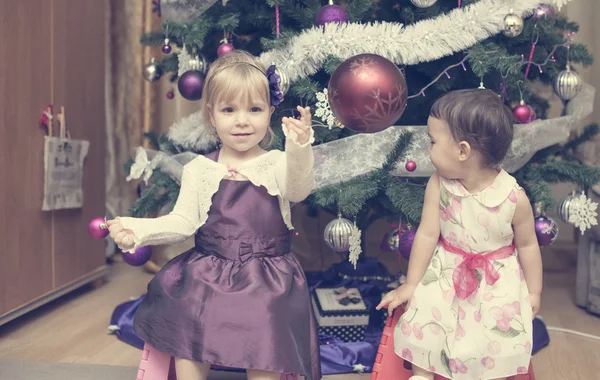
point(389, 366)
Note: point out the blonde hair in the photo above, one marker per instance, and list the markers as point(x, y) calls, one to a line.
point(237, 72)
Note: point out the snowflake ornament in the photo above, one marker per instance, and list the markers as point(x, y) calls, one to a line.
point(355, 249)
point(323, 111)
point(582, 213)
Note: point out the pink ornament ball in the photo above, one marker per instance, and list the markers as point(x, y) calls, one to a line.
point(411, 166)
point(97, 228)
point(225, 48)
point(170, 94)
point(544, 10)
point(523, 113)
point(406, 242)
point(139, 257)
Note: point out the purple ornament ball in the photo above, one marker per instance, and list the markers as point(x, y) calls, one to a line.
point(406, 242)
point(331, 13)
point(546, 231)
point(139, 257)
point(97, 228)
point(190, 84)
point(166, 49)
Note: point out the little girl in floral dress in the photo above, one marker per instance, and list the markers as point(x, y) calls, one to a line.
point(475, 272)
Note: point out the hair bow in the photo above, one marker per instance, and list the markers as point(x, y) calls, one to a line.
point(274, 86)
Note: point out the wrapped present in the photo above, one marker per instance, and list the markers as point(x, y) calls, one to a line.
point(341, 312)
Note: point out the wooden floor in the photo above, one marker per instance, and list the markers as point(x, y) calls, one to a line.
point(73, 329)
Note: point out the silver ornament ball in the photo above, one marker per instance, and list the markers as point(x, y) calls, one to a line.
point(567, 84)
point(337, 234)
point(199, 63)
point(513, 25)
point(152, 71)
point(393, 240)
point(284, 84)
point(566, 206)
point(423, 3)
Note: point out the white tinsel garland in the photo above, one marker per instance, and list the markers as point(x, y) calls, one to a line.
point(424, 41)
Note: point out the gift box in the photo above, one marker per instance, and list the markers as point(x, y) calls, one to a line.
point(341, 312)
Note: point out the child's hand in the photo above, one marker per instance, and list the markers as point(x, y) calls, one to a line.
point(535, 301)
point(122, 237)
point(396, 298)
point(300, 127)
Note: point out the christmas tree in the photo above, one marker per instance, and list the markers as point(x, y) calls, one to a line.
point(439, 46)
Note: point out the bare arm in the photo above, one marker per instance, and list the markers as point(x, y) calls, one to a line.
point(527, 244)
point(428, 233)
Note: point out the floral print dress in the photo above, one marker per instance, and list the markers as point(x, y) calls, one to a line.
point(470, 316)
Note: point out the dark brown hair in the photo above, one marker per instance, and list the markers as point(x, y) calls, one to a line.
point(480, 118)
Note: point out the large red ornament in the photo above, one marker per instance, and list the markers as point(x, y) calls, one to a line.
point(523, 113)
point(367, 93)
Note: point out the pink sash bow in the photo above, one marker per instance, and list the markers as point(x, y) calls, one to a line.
point(465, 275)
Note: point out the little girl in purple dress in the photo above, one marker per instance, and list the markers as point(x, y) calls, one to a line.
point(239, 298)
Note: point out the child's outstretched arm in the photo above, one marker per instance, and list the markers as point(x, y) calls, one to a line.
point(294, 174)
point(528, 249)
point(426, 239)
point(131, 233)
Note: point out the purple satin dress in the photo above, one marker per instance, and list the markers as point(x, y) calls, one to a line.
point(239, 298)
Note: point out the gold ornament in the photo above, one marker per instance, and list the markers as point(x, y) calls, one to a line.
point(337, 234)
point(152, 71)
point(513, 24)
point(567, 84)
point(423, 3)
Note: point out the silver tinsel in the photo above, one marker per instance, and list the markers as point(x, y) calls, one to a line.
point(423, 3)
point(567, 84)
point(513, 25)
point(337, 234)
point(152, 71)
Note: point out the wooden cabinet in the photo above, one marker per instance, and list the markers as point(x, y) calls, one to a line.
point(52, 52)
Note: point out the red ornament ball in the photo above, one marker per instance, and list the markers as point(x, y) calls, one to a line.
point(523, 113)
point(411, 166)
point(97, 228)
point(190, 84)
point(170, 94)
point(367, 93)
point(331, 13)
point(140, 256)
point(225, 48)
